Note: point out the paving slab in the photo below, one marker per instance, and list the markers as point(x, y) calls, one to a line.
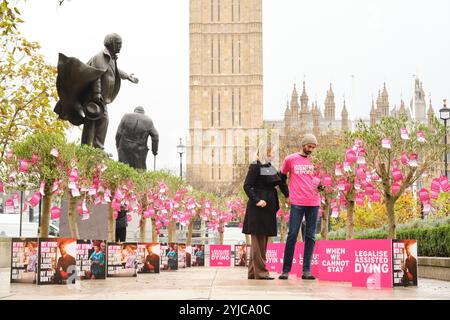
point(220, 283)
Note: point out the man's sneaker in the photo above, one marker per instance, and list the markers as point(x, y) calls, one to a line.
point(284, 276)
point(308, 276)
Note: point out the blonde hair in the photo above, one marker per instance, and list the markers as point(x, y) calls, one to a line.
point(262, 151)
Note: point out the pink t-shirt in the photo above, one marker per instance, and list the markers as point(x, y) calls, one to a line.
point(302, 181)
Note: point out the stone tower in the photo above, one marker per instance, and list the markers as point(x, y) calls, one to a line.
point(225, 86)
point(419, 102)
point(344, 119)
point(330, 106)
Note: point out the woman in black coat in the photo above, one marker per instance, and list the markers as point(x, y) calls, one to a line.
point(260, 219)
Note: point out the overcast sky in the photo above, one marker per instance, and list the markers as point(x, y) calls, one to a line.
point(356, 45)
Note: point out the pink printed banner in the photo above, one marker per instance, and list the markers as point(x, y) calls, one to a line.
point(372, 266)
point(300, 248)
point(274, 257)
point(220, 256)
point(336, 260)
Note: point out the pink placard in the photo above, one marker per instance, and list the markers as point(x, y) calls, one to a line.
point(220, 255)
point(372, 265)
point(274, 257)
point(336, 260)
point(314, 260)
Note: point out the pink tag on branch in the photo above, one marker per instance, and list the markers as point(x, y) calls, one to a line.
point(55, 213)
point(359, 199)
point(341, 185)
point(395, 163)
point(347, 166)
point(436, 185)
point(85, 216)
point(34, 201)
point(116, 215)
point(335, 212)
point(55, 152)
point(55, 185)
point(129, 218)
point(97, 201)
point(404, 159)
point(421, 136)
point(34, 159)
point(413, 160)
point(92, 191)
point(424, 196)
point(358, 143)
point(395, 188)
point(9, 206)
point(386, 143)
point(426, 207)
point(434, 195)
point(24, 166)
point(360, 173)
point(376, 196)
point(397, 175)
point(444, 184)
point(16, 198)
point(75, 192)
point(404, 133)
point(327, 180)
point(316, 180)
point(2, 190)
point(338, 169)
point(350, 156)
point(72, 185)
point(73, 177)
point(25, 207)
point(370, 189)
point(361, 160)
point(162, 188)
point(42, 188)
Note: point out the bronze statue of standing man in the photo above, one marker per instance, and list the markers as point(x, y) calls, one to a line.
point(85, 90)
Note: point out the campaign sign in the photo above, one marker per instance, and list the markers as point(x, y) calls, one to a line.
point(91, 259)
point(198, 255)
point(241, 255)
point(300, 248)
point(57, 263)
point(219, 255)
point(404, 261)
point(372, 265)
point(336, 260)
point(274, 257)
point(122, 259)
point(169, 256)
point(148, 257)
point(24, 260)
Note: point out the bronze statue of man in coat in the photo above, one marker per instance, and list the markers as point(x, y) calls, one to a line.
point(132, 138)
point(85, 90)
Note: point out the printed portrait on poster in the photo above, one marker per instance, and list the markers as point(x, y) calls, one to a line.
point(122, 259)
point(24, 260)
point(241, 255)
point(169, 256)
point(181, 255)
point(404, 262)
point(57, 263)
point(91, 259)
point(149, 257)
point(198, 255)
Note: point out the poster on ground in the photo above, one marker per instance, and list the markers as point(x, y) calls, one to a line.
point(241, 255)
point(181, 256)
point(57, 263)
point(274, 257)
point(122, 259)
point(372, 265)
point(149, 257)
point(220, 255)
point(336, 260)
point(198, 255)
point(404, 259)
point(169, 256)
point(24, 260)
point(91, 259)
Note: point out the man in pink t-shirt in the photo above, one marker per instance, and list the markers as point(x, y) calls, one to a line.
point(304, 196)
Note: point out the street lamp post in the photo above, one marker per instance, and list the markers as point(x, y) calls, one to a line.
point(180, 149)
point(444, 114)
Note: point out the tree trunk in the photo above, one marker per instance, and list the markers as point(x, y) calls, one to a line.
point(189, 235)
point(45, 219)
point(248, 240)
point(220, 237)
point(324, 225)
point(73, 219)
point(154, 232)
point(111, 224)
point(390, 203)
point(143, 229)
point(171, 231)
point(350, 219)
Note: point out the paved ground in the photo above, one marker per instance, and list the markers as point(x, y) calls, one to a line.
point(216, 283)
